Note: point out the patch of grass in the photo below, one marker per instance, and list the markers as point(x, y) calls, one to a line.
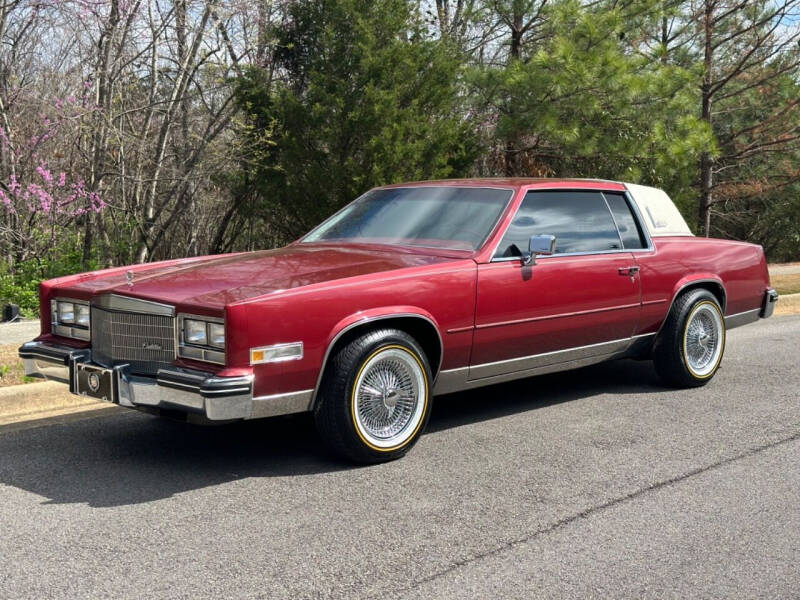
point(11, 370)
point(786, 284)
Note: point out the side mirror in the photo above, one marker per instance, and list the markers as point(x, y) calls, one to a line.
point(539, 245)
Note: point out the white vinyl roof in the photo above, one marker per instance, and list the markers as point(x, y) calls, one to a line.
point(659, 213)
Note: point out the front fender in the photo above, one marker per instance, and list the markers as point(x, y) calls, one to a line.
point(376, 314)
point(370, 316)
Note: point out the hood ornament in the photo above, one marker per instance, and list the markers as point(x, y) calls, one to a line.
point(129, 277)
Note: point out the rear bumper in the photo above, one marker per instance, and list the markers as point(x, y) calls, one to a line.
point(751, 316)
point(192, 392)
point(768, 305)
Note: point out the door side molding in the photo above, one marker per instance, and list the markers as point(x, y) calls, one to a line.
point(456, 380)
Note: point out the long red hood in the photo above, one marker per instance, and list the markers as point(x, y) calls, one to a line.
point(215, 281)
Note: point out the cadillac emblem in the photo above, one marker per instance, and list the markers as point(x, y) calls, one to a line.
point(129, 277)
point(94, 382)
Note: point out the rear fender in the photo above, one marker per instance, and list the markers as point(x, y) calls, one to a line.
point(699, 278)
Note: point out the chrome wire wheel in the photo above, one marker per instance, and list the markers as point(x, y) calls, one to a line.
point(389, 398)
point(704, 339)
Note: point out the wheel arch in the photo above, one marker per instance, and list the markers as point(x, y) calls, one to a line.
point(417, 323)
point(709, 282)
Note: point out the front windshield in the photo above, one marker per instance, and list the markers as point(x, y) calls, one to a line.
point(458, 218)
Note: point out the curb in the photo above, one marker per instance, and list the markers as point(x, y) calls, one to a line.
point(31, 401)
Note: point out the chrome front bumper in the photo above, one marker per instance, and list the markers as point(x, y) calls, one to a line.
point(193, 392)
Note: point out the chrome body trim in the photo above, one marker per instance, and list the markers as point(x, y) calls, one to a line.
point(69, 331)
point(198, 393)
point(454, 381)
point(641, 345)
point(556, 316)
point(768, 305)
point(282, 404)
point(451, 380)
point(689, 284)
point(463, 378)
point(370, 320)
point(115, 303)
point(47, 361)
point(535, 361)
point(134, 305)
point(43, 368)
point(144, 341)
point(742, 318)
point(568, 254)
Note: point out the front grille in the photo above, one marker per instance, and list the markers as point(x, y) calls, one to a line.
point(146, 342)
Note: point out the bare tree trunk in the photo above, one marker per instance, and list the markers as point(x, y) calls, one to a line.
point(706, 160)
point(512, 158)
point(179, 89)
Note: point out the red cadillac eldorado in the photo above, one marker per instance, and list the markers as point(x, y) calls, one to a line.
point(411, 290)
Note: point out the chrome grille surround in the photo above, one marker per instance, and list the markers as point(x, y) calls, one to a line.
point(135, 332)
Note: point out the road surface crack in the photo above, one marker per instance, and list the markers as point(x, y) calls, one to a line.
point(561, 523)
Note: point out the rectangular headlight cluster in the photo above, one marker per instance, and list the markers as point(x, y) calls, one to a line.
point(70, 318)
point(201, 338)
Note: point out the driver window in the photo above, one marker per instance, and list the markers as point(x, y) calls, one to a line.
point(580, 221)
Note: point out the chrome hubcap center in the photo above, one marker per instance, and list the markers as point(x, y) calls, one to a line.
point(703, 340)
point(390, 398)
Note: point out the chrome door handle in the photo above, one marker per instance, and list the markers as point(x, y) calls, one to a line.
point(628, 271)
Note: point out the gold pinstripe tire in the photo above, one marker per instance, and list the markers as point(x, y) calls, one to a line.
point(375, 397)
point(689, 348)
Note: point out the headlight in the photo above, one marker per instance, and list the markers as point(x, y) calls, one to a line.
point(216, 335)
point(66, 312)
point(195, 332)
point(70, 318)
point(82, 317)
point(201, 338)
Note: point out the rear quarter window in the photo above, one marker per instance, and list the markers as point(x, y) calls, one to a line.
point(629, 229)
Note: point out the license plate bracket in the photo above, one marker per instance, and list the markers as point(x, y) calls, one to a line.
point(95, 382)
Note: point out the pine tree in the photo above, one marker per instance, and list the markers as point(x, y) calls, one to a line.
point(367, 98)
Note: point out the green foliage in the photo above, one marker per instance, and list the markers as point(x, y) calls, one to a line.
point(15, 290)
point(22, 285)
point(370, 100)
point(580, 105)
point(558, 88)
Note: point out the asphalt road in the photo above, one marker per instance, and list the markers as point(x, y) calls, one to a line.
point(594, 483)
point(18, 332)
